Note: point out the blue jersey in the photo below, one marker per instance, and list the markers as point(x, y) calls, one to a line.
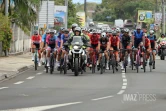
point(44, 36)
point(138, 35)
point(63, 38)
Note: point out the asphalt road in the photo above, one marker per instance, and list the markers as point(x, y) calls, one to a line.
point(131, 91)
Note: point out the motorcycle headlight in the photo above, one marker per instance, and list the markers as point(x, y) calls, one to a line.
point(75, 47)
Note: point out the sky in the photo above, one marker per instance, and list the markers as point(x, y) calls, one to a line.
point(82, 1)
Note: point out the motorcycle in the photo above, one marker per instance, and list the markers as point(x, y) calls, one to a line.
point(162, 50)
point(77, 55)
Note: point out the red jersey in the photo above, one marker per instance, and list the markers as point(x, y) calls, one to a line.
point(147, 42)
point(36, 39)
point(94, 39)
point(114, 41)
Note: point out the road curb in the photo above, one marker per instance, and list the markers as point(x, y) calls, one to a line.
point(7, 76)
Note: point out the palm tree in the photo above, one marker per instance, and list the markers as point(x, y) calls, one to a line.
point(24, 12)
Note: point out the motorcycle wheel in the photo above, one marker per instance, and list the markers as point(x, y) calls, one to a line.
point(76, 67)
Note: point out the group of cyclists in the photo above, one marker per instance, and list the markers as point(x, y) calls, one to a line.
point(114, 39)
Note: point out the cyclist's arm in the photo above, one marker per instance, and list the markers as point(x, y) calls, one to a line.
point(118, 43)
point(108, 45)
point(61, 41)
point(43, 40)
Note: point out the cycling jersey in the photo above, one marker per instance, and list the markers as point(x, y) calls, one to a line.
point(125, 40)
point(152, 40)
point(103, 43)
point(36, 39)
point(138, 35)
point(51, 41)
point(94, 39)
point(63, 38)
point(147, 43)
point(161, 39)
point(114, 41)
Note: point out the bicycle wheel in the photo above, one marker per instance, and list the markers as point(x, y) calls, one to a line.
point(137, 62)
point(113, 61)
point(144, 62)
point(93, 63)
point(125, 61)
point(65, 65)
point(52, 64)
point(150, 61)
point(102, 64)
point(132, 60)
point(35, 61)
point(46, 66)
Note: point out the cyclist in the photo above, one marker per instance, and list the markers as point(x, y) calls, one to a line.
point(152, 38)
point(126, 44)
point(94, 41)
point(103, 48)
point(160, 40)
point(51, 46)
point(64, 39)
point(109, 33)
point(138, 37)
point(35, 43)
point(43, 45)
point(114, 42)
point(118, 32)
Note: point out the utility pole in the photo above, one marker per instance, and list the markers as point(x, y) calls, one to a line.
point(6, 8)
point(163, 17)
point(66, 4)
point(47, 15)
point(85, 12)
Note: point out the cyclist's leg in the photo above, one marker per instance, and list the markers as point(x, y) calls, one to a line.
point(116, 55)
point(39, 54)
point(154, 57)
point(48, 50)
point(107, 58)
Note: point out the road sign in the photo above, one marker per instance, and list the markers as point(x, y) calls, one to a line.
point(152, 26)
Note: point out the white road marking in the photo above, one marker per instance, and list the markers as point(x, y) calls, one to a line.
point(4, 87)
point(124, 80)
point(31, 77)
point(124, 87)
point(123, 76)
point(124, 84)
point(42, 108)
point(123, 71)
point(39, 73)
point(20, 82)
point(121, 92)
point(102, 98)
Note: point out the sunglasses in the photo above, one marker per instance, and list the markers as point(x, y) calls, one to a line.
point(51, 33)
point(36, 34)
point(47, 33)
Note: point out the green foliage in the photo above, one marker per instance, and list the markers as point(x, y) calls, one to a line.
point(5, 32)
point(124, 9)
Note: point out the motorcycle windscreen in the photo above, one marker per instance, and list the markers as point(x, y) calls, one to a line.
point(77, 40)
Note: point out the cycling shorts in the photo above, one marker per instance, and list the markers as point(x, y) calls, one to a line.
point(37, 45)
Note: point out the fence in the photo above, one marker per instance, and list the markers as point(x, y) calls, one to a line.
point(20, 41)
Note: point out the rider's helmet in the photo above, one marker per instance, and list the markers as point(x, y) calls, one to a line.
point(74, 25)
point(35, 32)
point(52, 31)
point(94, 31)
point(66, 31)
point(126, 30)
point(47, 31)
point(103, 35)
point(84, 29)
point(138, 27)
point(114, 33)
point(122, 31)
point(117, 30)
point(162, 35)
point(78, 29)
point(151, 32)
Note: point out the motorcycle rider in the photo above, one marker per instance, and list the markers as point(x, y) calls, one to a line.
point(160, 40)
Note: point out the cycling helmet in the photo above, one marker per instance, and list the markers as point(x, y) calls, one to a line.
point(52, 31)
point(138, 27)
point(126, 30)
point(47, 31)
point(66, 31)
point(74, 25)
point(78, 29)
point(117, 29)
point(145, 34)
point(162, 35)
point(103, 35)
point(35, 32)
point(122, 30)
point(84, 29)
point(114, 33)
point(94, 31)
point(151, 32)
point(109, 31)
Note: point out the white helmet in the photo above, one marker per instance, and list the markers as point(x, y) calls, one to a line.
point(103, 35)
point(138, 27)
point(117, 30)
point(151, 32)
point(126, 30)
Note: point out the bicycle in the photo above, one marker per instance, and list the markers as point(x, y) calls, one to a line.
point(102, 62)
point(138, 61)
point(112, 61)
point(125, 62)
point(36, 57)
point(94, 60)
point(144, 59)
point(150, 61)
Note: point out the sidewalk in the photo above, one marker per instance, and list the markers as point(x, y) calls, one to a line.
point(12, 65)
